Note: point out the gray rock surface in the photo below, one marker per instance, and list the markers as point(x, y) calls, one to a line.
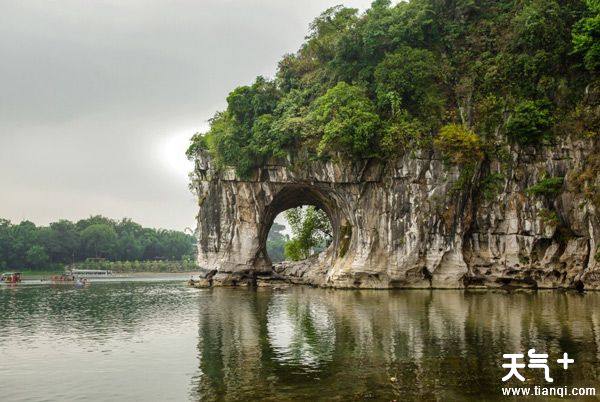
point(407, 223)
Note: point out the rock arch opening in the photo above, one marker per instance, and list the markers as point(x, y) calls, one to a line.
point(299, 233)
point(302, 200)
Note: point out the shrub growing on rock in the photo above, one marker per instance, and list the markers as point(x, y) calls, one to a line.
point(547, 187)
point(529, 123)
point(459, 145)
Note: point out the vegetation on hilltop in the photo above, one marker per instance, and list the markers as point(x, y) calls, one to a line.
point(27, 246)
point(374, 85)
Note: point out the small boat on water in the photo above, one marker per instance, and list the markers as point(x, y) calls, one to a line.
point(11, 277)
point(74, 275)
point(81, 283)
point(64, 278)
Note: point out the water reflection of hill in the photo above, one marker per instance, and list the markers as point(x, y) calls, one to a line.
point(296, 344)
point(315, 344)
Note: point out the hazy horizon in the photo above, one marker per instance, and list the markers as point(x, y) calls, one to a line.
point(99, 99)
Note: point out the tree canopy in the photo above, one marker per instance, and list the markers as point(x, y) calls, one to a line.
point(394, 78)
point(311, 232)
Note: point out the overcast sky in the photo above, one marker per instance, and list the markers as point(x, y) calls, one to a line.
point(98, 98)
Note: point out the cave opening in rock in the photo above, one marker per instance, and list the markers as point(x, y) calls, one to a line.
point(300, 222)
point(299, 233)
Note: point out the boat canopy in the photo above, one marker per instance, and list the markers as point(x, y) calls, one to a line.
point(91, 271)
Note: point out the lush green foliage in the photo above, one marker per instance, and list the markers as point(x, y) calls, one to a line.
point(586, 36)
point(529, 123)
point(311, 232)
point(459, 145)
point(98, 239)
point(345, 120)
point(26, 245)
point(406, 81)
point(377, 84)
point(547, 187)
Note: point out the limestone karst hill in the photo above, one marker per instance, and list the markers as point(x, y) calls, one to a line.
point(451, 143)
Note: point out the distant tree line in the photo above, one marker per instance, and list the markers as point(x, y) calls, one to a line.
point(276, 241)
point(27, 246)
point(185, 265)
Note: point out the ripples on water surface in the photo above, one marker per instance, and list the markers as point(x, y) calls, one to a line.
point(164, 341)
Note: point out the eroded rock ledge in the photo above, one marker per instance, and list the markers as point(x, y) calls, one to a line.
point(406, 224)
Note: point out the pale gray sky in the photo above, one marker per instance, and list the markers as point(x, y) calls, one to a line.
point(98, 98)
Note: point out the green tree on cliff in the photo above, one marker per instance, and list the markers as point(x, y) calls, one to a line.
point(586, 36)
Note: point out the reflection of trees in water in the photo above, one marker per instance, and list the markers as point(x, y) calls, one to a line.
point(311, 343)
point(229, 343)
point(316, 344)
point(300, 332)
point(94, 313)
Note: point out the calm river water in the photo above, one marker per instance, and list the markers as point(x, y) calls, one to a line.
point(162, 341)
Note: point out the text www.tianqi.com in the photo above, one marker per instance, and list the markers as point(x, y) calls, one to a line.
point(560, 392)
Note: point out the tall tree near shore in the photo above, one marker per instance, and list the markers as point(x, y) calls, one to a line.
point(99, 240)
point(311, 232)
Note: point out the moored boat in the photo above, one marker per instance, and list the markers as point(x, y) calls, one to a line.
point(90, 273)
point(75, 275)
point(64, 278)
point(11, 277)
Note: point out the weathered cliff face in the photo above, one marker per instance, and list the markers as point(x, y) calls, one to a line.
point(408, 224)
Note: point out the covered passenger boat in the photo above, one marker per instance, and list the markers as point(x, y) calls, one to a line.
point(11, 277)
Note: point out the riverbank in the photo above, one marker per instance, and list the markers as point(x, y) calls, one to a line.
point(28, 274)
point(121, 268)
point(43, 277)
